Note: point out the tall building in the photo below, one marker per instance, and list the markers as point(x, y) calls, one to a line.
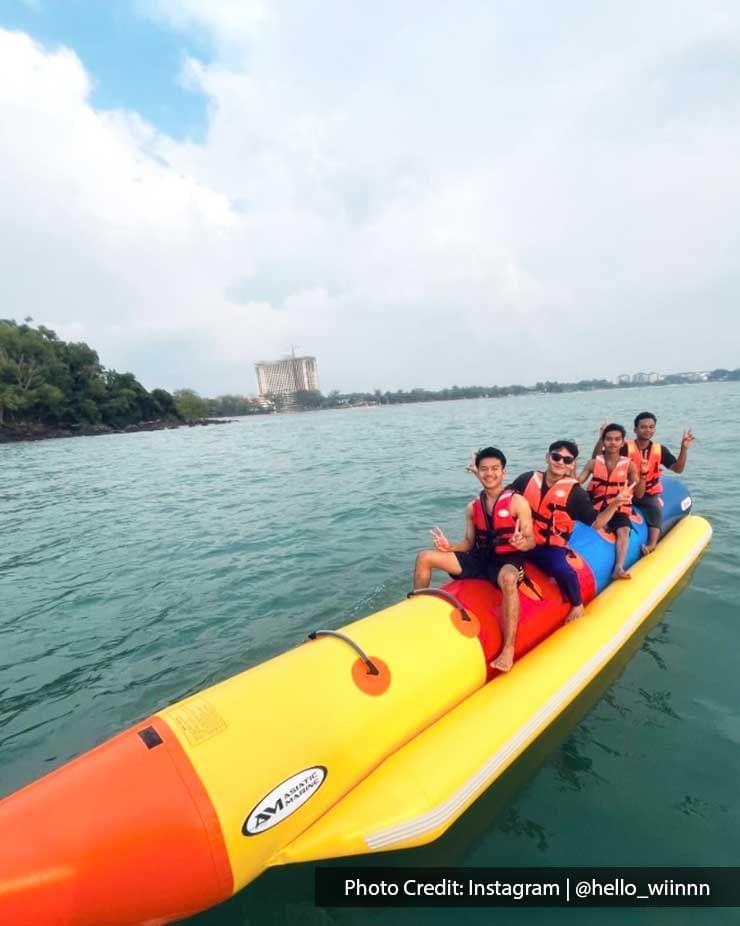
point(288, 376)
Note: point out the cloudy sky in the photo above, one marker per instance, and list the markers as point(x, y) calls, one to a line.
point(417, 193)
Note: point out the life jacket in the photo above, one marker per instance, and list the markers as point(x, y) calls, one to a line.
point(652, 479)
point(492, 531)
point(605, 485)
point(552, 523)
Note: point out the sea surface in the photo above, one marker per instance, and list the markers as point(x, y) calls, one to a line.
point(136, 569)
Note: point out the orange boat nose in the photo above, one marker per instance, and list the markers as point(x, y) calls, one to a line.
point(126, 834)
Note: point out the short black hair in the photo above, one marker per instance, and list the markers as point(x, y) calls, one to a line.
point(644, 415)
point(490, 452)
point(569, 445)
point(614, 427)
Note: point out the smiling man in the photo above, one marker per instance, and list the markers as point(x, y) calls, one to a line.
point(498, 529)
point(557, 502)
point(609, 473)
point(648, 457)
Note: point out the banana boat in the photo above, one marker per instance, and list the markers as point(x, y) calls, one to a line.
point(372, 738)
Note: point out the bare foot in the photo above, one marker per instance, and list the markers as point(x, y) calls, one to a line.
point(620, 573)
point(646, 548)
point(505, 659)
point(575, 612)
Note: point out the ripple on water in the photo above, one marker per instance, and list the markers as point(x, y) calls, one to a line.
point(142, 567)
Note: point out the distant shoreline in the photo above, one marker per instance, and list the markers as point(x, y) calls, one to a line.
point(34, 432)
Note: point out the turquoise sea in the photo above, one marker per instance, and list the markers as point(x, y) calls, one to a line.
point(136, 569)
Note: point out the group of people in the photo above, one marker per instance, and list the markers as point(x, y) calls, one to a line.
point(534, 516)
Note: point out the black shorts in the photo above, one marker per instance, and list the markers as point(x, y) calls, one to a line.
point(474, 564)
point(497, 563)
point(651, 508)
point(481, 564)
point(619, 519)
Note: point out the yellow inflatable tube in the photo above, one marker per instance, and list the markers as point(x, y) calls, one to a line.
point(302, 711)
point(417, 793)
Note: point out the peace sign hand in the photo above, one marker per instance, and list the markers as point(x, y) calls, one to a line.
point(687, 440)
point(440, 541)
point(471, 467)
point(517, 539)
point(625, 494)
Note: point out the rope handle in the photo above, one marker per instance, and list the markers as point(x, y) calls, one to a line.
point(445, 596)
point(371, 667)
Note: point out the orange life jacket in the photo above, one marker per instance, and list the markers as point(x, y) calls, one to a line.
point(653, 455)
point(605, 486)
point(492, 531)
point(552, 523)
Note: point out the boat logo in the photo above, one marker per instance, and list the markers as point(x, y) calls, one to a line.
point(686, 503)
point(504, 513)
point(284, 800)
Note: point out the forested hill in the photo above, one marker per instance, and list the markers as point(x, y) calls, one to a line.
point(48, 383)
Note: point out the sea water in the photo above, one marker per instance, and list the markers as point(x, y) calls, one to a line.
point(136, 569)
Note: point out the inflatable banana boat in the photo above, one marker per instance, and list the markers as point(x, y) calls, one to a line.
point(373, 738)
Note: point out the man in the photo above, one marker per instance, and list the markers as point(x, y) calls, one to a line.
point(498, 529)
point(648, 457)
point(609, 474)
point(557, 502)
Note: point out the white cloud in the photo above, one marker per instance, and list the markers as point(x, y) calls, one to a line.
point(230, 23)
point(416, 197)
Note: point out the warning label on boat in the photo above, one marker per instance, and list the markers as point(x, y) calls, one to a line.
point(198, 720)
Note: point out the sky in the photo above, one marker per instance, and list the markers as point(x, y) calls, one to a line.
point(418, 194)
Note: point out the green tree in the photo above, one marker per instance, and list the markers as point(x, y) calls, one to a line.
point(308, 399)
point(27, 362)
point(189, 404)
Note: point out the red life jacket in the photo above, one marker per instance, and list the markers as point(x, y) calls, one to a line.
point(652, 454)
point(492, 531)
point(605, 485)
point(552, 523)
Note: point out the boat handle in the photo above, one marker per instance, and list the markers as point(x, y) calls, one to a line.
point(446, 596)
point(371, 667)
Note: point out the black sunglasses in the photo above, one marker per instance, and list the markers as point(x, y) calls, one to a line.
point(560, 458)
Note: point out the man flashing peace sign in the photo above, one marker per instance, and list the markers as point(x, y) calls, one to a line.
point(498, 529)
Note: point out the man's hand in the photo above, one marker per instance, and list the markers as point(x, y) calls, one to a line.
point(517, 539)
point(687, 440)
point(625, 494)
point(471, 467)
point(440, 541)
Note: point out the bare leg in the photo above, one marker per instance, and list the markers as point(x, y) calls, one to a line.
point(623, 539)
point(508, 583)
point(653, 535)
point(434, 559)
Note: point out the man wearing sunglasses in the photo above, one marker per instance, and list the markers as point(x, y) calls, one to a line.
point(557, 502)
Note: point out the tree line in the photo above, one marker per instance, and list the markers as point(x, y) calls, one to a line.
point(307, 401)
point(47, 381)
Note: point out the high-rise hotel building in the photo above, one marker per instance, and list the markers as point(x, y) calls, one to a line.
point(288, 376)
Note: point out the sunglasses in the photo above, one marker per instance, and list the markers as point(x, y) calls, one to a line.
point(561, 458)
